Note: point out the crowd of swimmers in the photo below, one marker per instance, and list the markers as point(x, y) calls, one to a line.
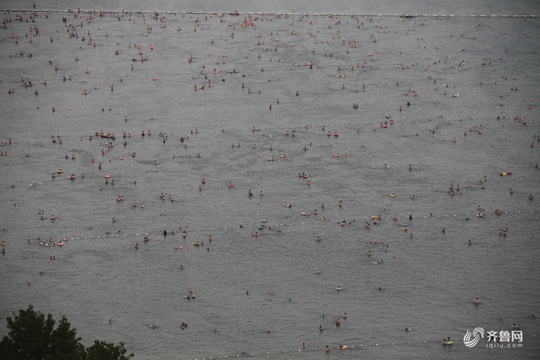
point(452, 190)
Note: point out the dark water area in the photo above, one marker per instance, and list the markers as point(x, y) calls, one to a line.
point(394, 157)
point(348, 7)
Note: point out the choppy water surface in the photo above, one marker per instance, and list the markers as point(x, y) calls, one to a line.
point(419, 84)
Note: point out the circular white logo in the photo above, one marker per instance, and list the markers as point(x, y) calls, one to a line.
point(471, 339)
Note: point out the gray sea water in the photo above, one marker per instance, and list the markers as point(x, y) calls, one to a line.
point(469, 78)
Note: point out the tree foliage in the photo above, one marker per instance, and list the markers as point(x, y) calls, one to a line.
point(32, 336)
point(107, 351)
